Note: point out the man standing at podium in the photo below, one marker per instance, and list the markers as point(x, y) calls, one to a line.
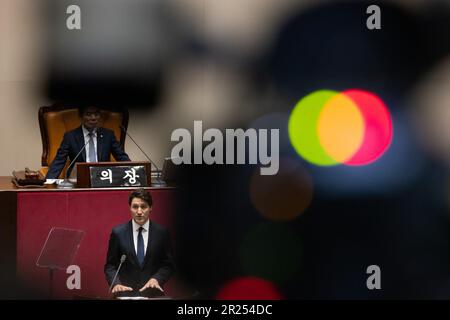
point(145, 248)
point(98, 143)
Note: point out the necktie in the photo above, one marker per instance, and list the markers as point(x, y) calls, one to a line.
point(92, 153)
point(140, 247)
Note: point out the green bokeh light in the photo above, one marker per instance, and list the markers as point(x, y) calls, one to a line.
point(272, 251)
point(302, 128)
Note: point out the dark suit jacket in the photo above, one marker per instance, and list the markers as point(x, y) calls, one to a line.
point(73, 142)
point(158, 262)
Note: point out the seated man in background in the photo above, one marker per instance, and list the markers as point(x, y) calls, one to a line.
point(144, 248)
point(100, 143)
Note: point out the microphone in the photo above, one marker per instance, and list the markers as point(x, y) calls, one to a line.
point(157, 169)
point(66, 184)
point(122, 260)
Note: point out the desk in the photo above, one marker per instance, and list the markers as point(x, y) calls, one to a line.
point(27, 215)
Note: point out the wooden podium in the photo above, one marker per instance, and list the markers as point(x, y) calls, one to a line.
point(84, 176)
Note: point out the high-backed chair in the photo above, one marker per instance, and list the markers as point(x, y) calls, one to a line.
point(56, 120)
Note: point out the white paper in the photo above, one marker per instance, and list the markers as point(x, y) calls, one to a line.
point(53, 181)
point(132, 298)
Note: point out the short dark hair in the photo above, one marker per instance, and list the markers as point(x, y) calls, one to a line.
point(82, 109)
point(141, 194)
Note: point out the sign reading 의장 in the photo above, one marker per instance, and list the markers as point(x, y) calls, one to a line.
point(118, 176)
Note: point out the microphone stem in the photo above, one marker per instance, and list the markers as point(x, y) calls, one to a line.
point(143, 152)
point(115, 276)
point(148, 158)
point(76, 157)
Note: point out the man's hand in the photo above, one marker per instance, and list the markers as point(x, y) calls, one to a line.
point(152, 283)
point(120, 288)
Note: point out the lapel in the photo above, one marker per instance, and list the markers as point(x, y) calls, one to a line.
point(79, 137)
point(150, 242)
point(100, 139)
point(131, 250)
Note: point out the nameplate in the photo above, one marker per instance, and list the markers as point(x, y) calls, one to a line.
point(118, 176)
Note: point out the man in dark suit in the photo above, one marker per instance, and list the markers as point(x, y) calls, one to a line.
point(146, 245)
point(100, 143)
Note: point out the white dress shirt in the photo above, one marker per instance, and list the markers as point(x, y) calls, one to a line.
point(86, 139)
point(144, 234)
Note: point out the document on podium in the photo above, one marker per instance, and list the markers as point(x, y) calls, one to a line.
point(133, 298)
